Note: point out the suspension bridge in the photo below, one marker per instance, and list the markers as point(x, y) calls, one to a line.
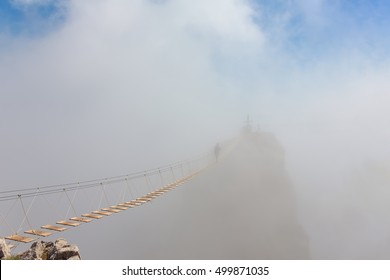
point(238, 207)
point(25, 212)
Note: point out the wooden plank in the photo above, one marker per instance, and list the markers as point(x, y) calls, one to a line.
point(55, 228)
point(104, 213)
point(140, 202)
point(38, 232)
point(152, 195)
point(111, 210)
point(143, 199)
point(134, 203)
point(80, 219)
point(119, 207)
point(68, 223)
point(20, 238)
point(93, 216)
point(128, 205)
point(157, 193)
point(125, 205)
point(146, 199)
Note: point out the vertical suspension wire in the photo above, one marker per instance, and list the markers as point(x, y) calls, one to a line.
point(148, 187)
point(122, 194)
point(101, 199)
point(9, 211)
point(127, 190)
point(8, 225)
point(161, 177)
point(104, 193)
point(28, 211)
point(70, 202)
point(150, 183)
point(173, 174)
point(25, 215)
point(129, 187)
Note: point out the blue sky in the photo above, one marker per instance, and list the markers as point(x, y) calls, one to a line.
point(20, 19)
point(310, 28)
point(331, 28)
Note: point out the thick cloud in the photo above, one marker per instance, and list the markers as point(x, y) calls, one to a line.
point(119, 75)
point(119, 86)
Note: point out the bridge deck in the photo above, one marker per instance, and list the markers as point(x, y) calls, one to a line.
point(55, 228)
point(81, 219)
point(20, 238)
point(68, 223)
point(119, 207)
point(111, 210)
point(93, 216)
point(38, 232)
point(103, 213)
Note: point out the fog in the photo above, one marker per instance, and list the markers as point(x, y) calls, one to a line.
point(108, 88)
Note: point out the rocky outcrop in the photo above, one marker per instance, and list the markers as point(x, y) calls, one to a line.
point(5, 251)
point(242, 207)
point(247, 209)
point(58, 250)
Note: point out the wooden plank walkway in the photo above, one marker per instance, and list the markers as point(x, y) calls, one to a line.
point(55, 228)
point(38, 232)
point(20, 238)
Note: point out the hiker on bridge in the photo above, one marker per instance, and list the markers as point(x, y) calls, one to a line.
point(217, 150)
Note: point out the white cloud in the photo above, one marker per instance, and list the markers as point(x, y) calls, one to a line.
point(126, 85)
point(122, 73)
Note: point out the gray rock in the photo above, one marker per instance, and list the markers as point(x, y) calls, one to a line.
point(5, 251)
point(64, 251)
point(59, 250)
